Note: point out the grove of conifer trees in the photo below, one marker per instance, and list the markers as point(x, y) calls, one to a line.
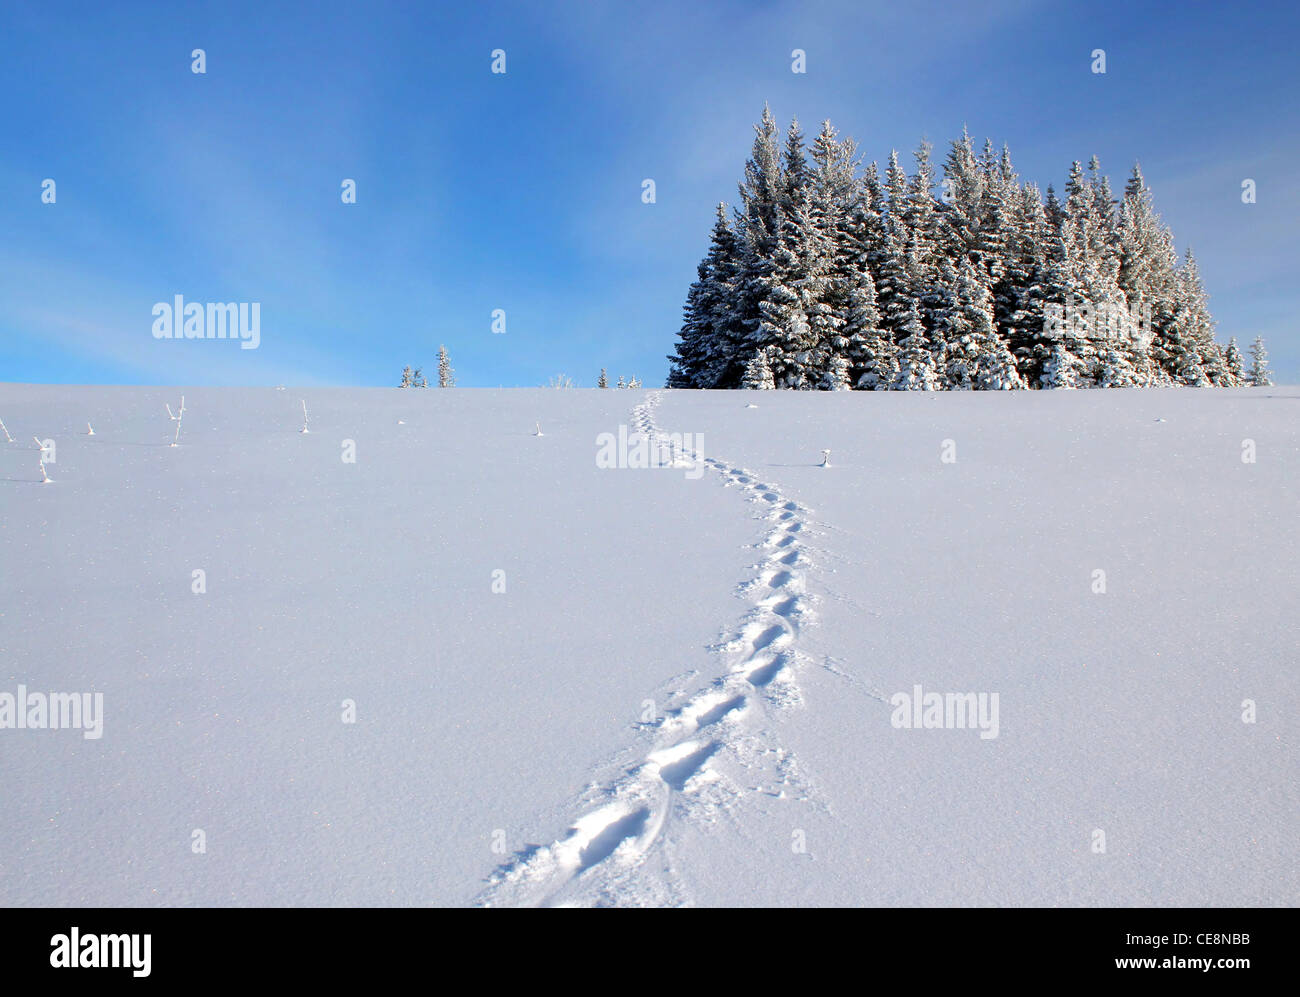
point(831, 277)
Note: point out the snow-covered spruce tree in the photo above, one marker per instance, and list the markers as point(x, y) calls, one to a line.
point(1025, 289)
point(417, 378)
point(1120, 356)
point(995, 367)
point(922, 220)
point(795, 314)
point(916, 360)
point(836, 375)
point(872, 356)
point(1148, 276)
point(895, 293)
point(1075, 282)
point(695, 337)
point(1181, 328)
point(710, 335)
point(1105, 242)
point(1260, 376)
point(761, 191)
point(603, 380)
point(1072, 278)
point(963, 195)
point(1063, 369)
point(846, 227)
point(953, 327)
point(863, 252)
point(1001, 195)
point(801, 301)
point(1183, 359)
point(1145, 263)
point(907, 284)
point(1115, 366)
point(1085, 271)
point(919, 208)
point(868, 229)
point(407, 376)
point(758, 374)
point(446, 376)
point(794, 168)
point(1118, 360)
point(1053, 209)
point(975, 357)
point(1236, 365)
point(968, 248)
point(758, 227)
point(721, 303)
point(975, 219)
point(1201, 323)
point(831, 189)
point(1012, 260)
point(784, 336)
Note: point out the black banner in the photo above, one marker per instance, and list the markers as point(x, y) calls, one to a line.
point(332, 947)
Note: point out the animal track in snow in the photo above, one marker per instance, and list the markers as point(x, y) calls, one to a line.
point(707, 753)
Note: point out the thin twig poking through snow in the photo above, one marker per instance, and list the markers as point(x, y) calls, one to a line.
point(176, 440)
point(539, 430)
point(6, 431)
point(304, 416)
point(90, 430)
point(826, 458)
point(45, 478)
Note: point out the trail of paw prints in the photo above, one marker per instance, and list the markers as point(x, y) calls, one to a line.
point(708, 752)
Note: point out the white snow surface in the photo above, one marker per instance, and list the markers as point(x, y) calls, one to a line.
point(682, 697)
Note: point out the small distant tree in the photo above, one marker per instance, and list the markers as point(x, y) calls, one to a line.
point(1260, 375)
point(620, 384)
point(407, 377)
point(1236, 365)
point(417, 379)
point(634, 383)
point(604, 380)
point(446, 376)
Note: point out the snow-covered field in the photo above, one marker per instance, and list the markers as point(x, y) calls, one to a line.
point(577, 684)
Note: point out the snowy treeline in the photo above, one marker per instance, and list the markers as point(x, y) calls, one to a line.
point(830, 277)
point(415, 378)
point(603, 381)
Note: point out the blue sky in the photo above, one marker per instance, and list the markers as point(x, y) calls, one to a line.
point(522, 191)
